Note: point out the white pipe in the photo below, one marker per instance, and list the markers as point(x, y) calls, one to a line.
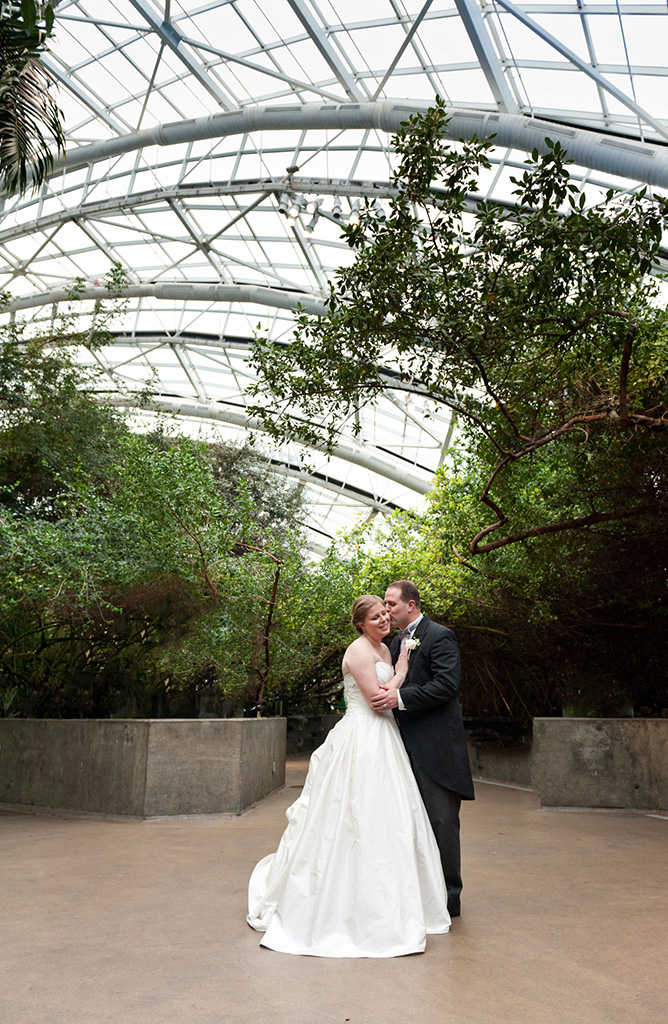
point(273, 297)
point(638, 161)
point(358, 455)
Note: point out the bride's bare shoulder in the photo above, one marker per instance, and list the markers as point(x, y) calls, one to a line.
point(357, 653)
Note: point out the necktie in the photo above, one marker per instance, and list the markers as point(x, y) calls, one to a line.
point(404, 636)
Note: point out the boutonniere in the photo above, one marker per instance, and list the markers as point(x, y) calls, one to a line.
point(411, 645)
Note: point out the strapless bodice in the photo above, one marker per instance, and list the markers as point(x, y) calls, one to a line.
point(354, 697)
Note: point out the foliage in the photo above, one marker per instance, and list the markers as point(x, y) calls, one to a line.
point(147, 574)
point(307, 634)
point(30, 120)
point(124, 580)
point(248, 490)
point(144, 574)
point(538, 330)
point(53, 431)
point(577, 621)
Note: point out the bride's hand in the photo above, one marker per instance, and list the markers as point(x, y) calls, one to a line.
point(401, 667)
point(385, 699)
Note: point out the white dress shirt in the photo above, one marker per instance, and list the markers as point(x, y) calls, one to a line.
point(410, 630)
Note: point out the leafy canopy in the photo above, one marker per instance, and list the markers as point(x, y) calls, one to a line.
point(538, 329)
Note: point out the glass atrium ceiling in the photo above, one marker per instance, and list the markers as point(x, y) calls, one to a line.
point(196, 129)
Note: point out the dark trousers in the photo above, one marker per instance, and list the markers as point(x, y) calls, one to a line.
point(443, 810)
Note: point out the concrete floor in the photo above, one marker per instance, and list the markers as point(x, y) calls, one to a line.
point(142, 922)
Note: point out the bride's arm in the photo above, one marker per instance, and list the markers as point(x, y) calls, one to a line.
point(359, 661)
point(400, 671)
point(388, 697)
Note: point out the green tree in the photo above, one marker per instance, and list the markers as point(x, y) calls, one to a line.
point(53, 430)
point(578, 621)
point(538, 329)
point(145, 573)
point(542, 331)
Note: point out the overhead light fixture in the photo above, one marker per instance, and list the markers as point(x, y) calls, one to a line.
point(313, 205)
point(284, 203)
point(336, 209)
point(380, 212)
point(296, 208)
point(354, 217)
point(312, 223)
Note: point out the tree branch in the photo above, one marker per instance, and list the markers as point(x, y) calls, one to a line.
point(195, 538)
point(568, 524)
point(624, 372)
point(490, 391)
point(462, 561)
point(264, 675)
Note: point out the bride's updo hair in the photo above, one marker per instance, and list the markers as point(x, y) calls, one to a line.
point(361, 607)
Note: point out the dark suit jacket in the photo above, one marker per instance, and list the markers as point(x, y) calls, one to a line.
point(431, 726)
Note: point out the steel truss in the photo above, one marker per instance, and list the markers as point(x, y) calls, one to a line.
point(214, 151)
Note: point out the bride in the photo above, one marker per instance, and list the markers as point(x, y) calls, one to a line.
point(357, 872)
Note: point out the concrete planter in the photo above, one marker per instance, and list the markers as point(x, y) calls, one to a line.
point(307, 732)
point(140, 767)
point(601, 762)
point(495, 763)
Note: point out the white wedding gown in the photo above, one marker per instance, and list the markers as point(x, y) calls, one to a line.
point(357, 872)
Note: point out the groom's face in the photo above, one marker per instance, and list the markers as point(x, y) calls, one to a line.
point(401, 612)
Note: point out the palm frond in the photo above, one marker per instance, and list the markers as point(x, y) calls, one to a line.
point(31, 123)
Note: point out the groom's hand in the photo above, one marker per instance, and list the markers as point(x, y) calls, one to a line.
point(385, 700)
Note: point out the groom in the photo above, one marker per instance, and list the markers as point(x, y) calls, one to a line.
point(431, 725)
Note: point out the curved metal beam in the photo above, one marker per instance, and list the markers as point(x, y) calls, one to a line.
point(356, 454)
point(247, 186)
point(327, 483)
point(391, 378)
point(273, 297)
point(639, 161)
point(132, 201)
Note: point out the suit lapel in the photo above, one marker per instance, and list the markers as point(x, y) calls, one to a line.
point(422, 628)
